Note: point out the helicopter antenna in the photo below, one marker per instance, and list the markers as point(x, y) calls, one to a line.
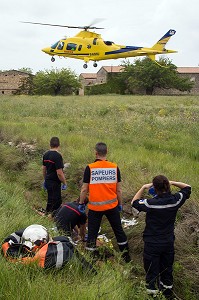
point(69, 26)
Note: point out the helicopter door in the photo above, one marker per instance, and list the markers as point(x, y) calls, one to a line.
point(60, 46)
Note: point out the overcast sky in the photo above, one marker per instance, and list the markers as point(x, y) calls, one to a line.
point(127, 22)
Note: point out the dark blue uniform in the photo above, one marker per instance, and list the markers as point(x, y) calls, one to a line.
point(68, 216)
point(53, 161)
point(159, 236)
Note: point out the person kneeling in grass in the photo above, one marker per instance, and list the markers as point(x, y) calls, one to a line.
point(70, 220)
point(158, 234)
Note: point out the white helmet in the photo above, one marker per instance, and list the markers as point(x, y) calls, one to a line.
point(34, 235)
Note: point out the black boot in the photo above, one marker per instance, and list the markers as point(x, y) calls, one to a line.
point(125, 256)
point(125, 252)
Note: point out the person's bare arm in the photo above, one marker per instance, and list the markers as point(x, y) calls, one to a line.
point(76, 229)
point(139, 194)
point(61, 176)
point(84, 192)
point(178, 184)
point(82, 230)
point(44, 171)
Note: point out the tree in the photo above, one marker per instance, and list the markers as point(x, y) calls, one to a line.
point(26, 70)
point(146, 75)
point(56, 82)
point(114, 85)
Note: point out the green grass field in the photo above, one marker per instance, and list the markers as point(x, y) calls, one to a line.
point(146, 136)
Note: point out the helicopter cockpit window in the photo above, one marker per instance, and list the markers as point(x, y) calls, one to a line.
point(108, 43)
point(60, 46)
point(71, 46)
point(80, 48)
point(55, 45)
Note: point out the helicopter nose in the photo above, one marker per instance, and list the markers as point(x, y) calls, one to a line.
point(46, 50)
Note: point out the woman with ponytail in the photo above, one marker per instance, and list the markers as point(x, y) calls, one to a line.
point(158, 236)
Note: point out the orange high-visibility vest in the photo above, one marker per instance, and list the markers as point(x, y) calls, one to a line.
point(103, 185)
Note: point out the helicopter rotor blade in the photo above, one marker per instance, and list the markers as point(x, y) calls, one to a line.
point(68, 26)
point(95, 21)
point(90, 26)
point(48, 24)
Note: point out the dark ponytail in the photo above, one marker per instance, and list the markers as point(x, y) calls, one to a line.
point(161, 184)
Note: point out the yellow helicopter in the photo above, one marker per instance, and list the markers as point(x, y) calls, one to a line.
point(89, 46)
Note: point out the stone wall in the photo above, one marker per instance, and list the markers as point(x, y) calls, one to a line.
point(102, 76)
point(10, 81)
point(194, 77)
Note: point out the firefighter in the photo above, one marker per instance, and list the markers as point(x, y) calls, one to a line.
point(53, 175)
point(102, 180)
point(70, 220)
point(158, 234)
point(34, 245)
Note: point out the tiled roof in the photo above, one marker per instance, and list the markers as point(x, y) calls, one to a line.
point(89, 75)
point(188, 70)
point(112, 69)
point(117, 69)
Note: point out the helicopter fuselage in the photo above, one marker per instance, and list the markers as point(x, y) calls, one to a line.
point(88, 45)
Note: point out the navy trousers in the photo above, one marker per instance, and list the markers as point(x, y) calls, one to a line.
point(54, 195)
point(158, 265)
point(113, 216)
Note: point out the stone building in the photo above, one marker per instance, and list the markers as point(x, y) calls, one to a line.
point(87, 79)
point(193, 74)
point(10, 81)
point(102, 75)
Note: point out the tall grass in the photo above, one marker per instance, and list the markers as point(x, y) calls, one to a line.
point(146, 136)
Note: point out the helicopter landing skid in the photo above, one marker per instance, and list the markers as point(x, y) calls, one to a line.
point(85, 66)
